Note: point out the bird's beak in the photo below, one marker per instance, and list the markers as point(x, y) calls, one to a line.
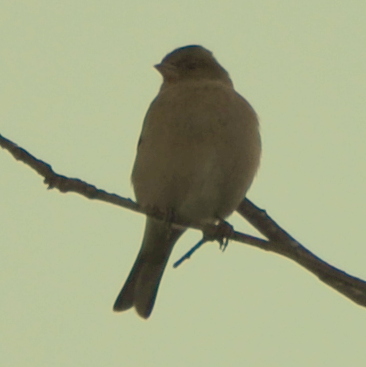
point(168, 71)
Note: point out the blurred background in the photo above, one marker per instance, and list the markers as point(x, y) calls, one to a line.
point(76, 80)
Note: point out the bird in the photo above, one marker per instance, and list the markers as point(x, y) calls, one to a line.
point(198, 153)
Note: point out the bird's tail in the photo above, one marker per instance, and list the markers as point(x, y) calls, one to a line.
point(143, 281)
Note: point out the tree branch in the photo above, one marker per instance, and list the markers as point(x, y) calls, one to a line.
point(284, 244)
point(279, 242)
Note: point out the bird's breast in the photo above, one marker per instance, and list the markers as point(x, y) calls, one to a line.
point(198, 154)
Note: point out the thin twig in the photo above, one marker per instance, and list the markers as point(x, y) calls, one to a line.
point(189, 253)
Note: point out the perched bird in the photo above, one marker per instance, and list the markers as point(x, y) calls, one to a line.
point(197, 156)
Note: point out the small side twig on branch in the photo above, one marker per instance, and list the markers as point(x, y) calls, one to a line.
point(279, 242)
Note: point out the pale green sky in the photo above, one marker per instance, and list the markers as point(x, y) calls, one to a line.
point(76, 80)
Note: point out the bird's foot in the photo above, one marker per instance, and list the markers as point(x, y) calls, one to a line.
point(222, 232)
